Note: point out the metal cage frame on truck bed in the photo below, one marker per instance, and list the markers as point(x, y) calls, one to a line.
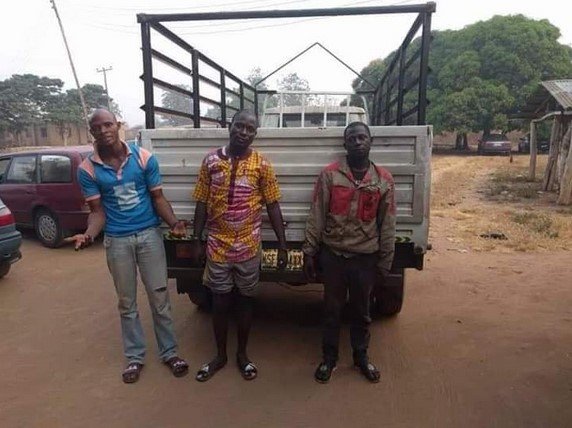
point(388, 99)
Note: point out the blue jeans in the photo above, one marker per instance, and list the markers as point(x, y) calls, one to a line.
point(145, 250)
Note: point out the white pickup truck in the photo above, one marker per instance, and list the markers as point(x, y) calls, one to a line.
point(298, 155)
point(299, 141)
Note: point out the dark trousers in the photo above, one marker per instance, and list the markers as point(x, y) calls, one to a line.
point(341, 274)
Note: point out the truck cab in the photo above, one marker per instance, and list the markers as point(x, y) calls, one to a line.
point(314, 110)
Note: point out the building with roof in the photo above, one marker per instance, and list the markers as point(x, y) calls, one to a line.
point(552, 100)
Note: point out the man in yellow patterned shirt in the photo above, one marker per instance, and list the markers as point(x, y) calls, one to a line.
point(234, 182)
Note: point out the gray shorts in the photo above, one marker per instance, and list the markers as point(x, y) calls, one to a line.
point(222, 277)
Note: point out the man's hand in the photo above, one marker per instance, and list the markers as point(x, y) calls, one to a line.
point(282, 258)
point(81, 240)
point(179, 229)
point(309, 267)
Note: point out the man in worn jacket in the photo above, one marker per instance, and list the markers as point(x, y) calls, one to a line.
point(351, 231)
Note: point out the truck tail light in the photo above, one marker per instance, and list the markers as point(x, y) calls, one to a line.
point(6, 217)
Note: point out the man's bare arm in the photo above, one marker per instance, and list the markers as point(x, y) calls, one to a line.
point(95, 224)
point(165, 211)
point(277, 222)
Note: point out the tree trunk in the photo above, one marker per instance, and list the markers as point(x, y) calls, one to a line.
point(533, 152)
point(550, 171)
point(465, 141)
point(461, 142)
point(563, 151)
point(565, 196)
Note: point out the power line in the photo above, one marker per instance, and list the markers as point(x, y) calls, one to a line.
point(139, 9)
point(298, 21)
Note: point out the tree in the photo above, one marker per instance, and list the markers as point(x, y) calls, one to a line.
point(178, 102)
point(255, 76)
point(25, 99)
point(293, 82)
point(28, 99)
point(95, 97)
point(65, 108)
point(485, 71)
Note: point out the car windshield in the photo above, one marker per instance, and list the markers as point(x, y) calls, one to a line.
point(496, 137)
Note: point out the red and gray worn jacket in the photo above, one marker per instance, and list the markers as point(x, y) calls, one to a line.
point(353, 217)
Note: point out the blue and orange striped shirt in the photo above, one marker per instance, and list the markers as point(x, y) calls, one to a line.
point(125, 193)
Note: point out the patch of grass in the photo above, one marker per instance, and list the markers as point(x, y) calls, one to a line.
point(539, 223)
point(565, 211)
point(497, 188)
point(512, 184)
point(527, 191)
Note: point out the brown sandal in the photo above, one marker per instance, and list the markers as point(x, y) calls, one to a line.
point(178, 366)
point(132, 372)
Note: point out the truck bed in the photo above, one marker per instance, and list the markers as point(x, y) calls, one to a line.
point(298, 155)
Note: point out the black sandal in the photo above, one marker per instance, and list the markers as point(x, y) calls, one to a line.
point(132, 372)
point(208, 370)
point(247, 370)
point(324, 372)
point(178, 366)
point(369, 371)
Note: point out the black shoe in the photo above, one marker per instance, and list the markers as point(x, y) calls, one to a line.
point(324, 371)
point(367, 369)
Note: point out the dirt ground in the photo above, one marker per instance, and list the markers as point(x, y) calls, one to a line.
point(484, 339)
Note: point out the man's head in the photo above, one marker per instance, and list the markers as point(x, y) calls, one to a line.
point(242, 130)
point(357, 140)
point(104, 127)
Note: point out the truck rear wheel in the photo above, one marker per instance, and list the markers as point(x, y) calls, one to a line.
point(387, 298)
point(202, 297)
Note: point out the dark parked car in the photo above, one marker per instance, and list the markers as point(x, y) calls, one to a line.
point(541, 146)
point(40, 187)
point(494, 143)
point(10, 240)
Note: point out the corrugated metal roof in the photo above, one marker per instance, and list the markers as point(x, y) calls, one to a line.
point(561, 90)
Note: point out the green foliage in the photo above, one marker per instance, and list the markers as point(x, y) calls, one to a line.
point(293, 82)
point(26, 99)
point(255, 76)
point(94, 96)
point(485, 71)
point(178, 102)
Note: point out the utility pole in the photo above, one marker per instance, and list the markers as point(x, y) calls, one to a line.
point(83, 106)
point(104, 71)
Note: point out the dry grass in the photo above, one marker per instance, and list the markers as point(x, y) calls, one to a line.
point(479, 195)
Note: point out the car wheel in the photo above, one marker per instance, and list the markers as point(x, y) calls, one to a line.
point(48, 229)
point(388, 294)
point(4, 269)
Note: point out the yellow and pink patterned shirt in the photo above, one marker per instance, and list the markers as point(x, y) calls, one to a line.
point(234, 190)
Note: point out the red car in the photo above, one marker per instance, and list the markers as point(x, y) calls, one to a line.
point(41, 189)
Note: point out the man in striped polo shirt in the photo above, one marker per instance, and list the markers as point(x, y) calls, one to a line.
point(122, 186)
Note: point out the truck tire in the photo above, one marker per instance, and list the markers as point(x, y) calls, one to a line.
point(202, 297)
point(387, 298)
